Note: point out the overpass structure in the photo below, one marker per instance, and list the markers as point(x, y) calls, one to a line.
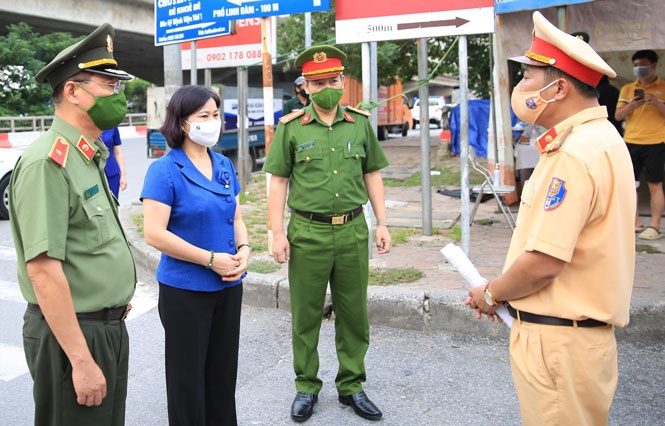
point(133, 20)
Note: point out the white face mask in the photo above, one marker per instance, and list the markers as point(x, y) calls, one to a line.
point(204, 133)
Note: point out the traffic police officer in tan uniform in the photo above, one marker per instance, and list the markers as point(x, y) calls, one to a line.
point(75, 267)
point(333, 158)
point(568, 274)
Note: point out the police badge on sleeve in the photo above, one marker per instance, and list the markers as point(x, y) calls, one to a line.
point(555, 194)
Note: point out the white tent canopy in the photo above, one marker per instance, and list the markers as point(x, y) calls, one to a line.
point(617, 28)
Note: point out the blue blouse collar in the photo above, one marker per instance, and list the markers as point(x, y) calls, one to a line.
point(221, 181)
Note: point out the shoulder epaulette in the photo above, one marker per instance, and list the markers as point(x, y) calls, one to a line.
point(360, 111)
point(552, 140)
point(59, 152)
point(291, 116)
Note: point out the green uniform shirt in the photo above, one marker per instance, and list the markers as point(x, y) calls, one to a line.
point(292, 105)
point(69, 213)
point(326, 164)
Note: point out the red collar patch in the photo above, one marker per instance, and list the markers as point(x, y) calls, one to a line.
point(348, 117)
point(551, 141)
point(306, 118)
point(85, 148)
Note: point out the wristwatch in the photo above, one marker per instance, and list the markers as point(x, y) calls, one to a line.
point(489, 299)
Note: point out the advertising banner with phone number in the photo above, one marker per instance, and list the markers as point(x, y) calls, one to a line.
point(236, 50)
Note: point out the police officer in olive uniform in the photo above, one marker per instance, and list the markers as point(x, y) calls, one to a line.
point(569, 270)
point(75, 267)
point(333, 159)
point(300, 101)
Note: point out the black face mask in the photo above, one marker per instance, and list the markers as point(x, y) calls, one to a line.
point(302, 93)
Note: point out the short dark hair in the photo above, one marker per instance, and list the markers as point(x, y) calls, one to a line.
point(646, 54)
point(59, 90)
point(184, 102)
point(584, 89)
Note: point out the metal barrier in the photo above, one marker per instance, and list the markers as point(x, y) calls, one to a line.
point(43, 122)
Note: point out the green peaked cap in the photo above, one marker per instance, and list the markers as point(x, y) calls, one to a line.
point(93, 54)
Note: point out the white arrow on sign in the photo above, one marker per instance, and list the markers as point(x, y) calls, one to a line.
point(189, 27)
point(240, 2)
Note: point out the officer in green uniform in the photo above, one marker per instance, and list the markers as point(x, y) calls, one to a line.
point(75, 266)
point(300, 100)
point(333, 159)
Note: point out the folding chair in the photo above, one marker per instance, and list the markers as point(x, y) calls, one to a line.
point(489, 186)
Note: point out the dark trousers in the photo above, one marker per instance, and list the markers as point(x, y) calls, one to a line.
point(202, 333)
point(55, 398)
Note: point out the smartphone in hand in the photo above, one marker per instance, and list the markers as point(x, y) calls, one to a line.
point(639, 93)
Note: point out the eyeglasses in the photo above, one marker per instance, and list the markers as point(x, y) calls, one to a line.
point(117, 86)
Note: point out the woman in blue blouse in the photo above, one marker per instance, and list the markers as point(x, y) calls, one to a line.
point(192, 215)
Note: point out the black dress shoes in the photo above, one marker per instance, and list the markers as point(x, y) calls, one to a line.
point(362, 405)
point(303, 406)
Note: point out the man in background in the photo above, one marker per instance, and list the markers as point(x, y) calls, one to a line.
point(642, 105)
point(300, 100)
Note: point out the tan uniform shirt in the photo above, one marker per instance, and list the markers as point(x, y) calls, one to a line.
point(579, 206)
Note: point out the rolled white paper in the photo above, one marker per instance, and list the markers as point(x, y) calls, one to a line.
point(463, 265)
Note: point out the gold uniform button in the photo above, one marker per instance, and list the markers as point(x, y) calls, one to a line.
point(337, 195)
point(307, 158)
point(334, 172)
point(99, 209)
point(332, 149)
point(356, 155)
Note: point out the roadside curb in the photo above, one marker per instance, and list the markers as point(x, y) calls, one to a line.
point(419, 309)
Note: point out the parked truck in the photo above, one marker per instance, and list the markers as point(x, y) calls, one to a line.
point(228, 141)
point(393, 116)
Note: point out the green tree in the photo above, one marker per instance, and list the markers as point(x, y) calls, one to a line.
point(136, 93)
point(22, 54)
point(394, 58)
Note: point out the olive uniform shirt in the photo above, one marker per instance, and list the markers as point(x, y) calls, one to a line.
point(60, 204)
point(579, 206)
point(326, 164)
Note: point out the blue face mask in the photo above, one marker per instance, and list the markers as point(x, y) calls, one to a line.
point(642, 72)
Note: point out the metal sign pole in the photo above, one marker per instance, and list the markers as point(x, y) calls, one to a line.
point(426, 177)
point(464, 141)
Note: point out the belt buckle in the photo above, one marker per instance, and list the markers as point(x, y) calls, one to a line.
point(338, 220)
point(124, 315)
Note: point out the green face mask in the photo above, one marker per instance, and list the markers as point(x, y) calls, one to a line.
point(107, 111)
point(327, 98)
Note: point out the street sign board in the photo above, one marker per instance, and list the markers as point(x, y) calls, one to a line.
point(243, 48)
point(177, 21)
point(378, 20)
point(506, 6)
point(243, 9)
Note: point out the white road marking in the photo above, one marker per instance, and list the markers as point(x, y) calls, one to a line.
point(13, 362)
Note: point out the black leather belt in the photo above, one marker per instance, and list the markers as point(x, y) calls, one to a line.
point(547, 320)
point(334, 220)
point(106, 314)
